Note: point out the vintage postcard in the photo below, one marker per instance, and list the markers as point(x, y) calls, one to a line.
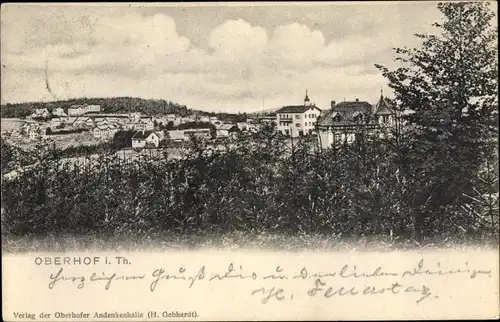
point(249, 161)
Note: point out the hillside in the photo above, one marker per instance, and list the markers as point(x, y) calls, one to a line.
point(117, 105)
point(108, 105)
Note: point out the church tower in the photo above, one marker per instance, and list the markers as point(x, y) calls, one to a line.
point(307, 101)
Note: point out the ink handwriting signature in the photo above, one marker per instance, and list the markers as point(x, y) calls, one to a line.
point(335, 283)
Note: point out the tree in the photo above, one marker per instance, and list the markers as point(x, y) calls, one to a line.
point(450, 83)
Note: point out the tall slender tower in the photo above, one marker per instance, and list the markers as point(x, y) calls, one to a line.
point(307, 101)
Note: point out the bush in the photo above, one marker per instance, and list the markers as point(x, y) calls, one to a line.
point(256, 184)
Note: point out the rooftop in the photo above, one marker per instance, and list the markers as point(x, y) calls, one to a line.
point(296, 109)
point(383, 107)
point(141, 135)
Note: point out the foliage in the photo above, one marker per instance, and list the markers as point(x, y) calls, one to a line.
point(450, 85)
point(258, 184)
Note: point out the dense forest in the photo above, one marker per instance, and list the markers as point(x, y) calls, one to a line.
point(108, 105)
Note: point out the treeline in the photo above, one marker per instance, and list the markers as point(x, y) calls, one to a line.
point(108, 105)
point(117, 105)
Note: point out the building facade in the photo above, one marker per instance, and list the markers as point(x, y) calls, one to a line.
point(143, 138)
point(342, 121)
point(298, 120)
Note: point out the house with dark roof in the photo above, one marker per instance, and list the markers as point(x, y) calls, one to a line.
point(227, 130)
point(143, 138)
point(384, 114)
point(298, 120)
point(123, 139)
point(342, 121)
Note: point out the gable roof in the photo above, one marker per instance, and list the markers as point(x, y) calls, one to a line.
point(350, 107)
point(160, 134)
point(141, 135)
point(227, 127)
point(347, 111)
point(105, 126)
point(326, 117)
point(297, 109)
point(124, 135)
point(176, 135)
point(383, 107)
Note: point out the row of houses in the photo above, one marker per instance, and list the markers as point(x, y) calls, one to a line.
point(223, 131)
point(338, 123)
point(177, 120)
point(74, 110)
point(43, 113)
point(152, 138)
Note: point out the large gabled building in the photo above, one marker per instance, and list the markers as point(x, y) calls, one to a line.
point(342, 121)
point(298, 120)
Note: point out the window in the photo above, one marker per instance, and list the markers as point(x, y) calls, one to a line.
point(297, 124)
point(287, 132)
point(297, 117)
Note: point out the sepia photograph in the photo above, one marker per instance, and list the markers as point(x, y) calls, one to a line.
point(292, 128)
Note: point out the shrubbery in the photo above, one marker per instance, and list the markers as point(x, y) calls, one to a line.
point(258, 184)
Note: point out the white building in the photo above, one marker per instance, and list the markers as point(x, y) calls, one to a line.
point(143, 124)
point(59, 112)
point(75, 111)
point(243, 126)
point(214, 120)
point(170, 118)
point(176, 136)
point(199, 133)
point(56, 121)
point(298, 120)
point(227, 130)
point(143, 138)
point(40, 113)
point(187, 119)
point(83, 122)
point(104, 131)
point(92, 108)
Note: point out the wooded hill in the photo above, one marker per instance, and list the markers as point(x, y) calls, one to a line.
point(114, 105)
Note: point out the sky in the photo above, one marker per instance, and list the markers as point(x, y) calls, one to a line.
point(231, 58)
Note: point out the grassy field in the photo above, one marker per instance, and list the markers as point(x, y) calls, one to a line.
point(10, 124)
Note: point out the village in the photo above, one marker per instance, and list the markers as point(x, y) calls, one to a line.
point(88, 125)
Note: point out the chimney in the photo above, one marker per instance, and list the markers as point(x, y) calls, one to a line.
point(332, 104)
point(357, 99)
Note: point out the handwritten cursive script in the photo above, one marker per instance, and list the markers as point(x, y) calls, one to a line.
point(346, 281)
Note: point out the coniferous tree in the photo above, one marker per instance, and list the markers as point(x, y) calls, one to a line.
point(450, 85)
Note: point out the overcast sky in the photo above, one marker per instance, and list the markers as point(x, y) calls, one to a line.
point(221, 58)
